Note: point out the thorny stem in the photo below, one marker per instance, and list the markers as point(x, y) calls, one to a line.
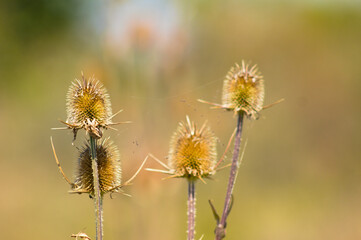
point(98, 199)
point(220, 229)
point(191, 209)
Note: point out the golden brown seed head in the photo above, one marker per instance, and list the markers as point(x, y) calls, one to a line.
point(243, 90)
point(88, 106)
point(108, 166)
point(192, 151)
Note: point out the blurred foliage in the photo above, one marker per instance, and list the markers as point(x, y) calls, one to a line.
point(301, 173)
point(40, 19)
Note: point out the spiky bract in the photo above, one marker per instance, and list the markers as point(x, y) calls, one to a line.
point(243, 90)
point(109, 168)
point(192, 151)
point(88, 106)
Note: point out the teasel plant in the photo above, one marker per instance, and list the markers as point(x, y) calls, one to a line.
point(98, 167)
point(193, 156)
point(243, 93)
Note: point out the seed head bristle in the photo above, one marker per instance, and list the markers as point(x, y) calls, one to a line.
point(88, 106)
point(243, 90)
point(109, 168)
point(192, 151)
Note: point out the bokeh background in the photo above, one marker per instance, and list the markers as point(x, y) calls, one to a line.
point(301, 174)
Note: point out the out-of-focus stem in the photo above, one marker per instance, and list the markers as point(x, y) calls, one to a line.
point(98, 201)
point(191, 209)
point(220, 230)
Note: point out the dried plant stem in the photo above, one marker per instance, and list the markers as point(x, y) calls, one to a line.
point(98, 199)
point(191, 209)
point(220, 230)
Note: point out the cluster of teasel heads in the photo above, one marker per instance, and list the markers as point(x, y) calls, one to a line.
point(89, 108)
point(192, 153)
point(98, 169)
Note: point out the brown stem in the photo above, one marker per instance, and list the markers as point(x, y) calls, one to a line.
point(220, 230)
point(191, 209)
point(98, 200)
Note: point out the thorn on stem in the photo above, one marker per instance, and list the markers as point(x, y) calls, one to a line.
point(215, 214)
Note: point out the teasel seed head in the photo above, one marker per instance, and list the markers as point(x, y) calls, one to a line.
point(192, 151)
point(243, 90)
point(109, 168)
point(88, 107)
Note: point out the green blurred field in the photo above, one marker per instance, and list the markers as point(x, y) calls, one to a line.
point(301, 175)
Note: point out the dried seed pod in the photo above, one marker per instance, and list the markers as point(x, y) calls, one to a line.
point(243, 90)
point(109, 168)
point(192, 151)
point(88, 107)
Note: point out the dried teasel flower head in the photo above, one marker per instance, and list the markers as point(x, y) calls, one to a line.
point(243, 90)
point(88, 107)
point(109, 166)
point(192, 151)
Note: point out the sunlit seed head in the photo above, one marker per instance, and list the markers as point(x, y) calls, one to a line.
point(192, 151)
point(243, 90)
point(88, 106)
point(109, 168)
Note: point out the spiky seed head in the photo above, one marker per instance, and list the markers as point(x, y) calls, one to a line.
point(243, 90)
point(192, 151)
point(88, 106)
point(109, 168)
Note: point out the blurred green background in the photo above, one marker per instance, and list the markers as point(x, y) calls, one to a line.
point(301, 174)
